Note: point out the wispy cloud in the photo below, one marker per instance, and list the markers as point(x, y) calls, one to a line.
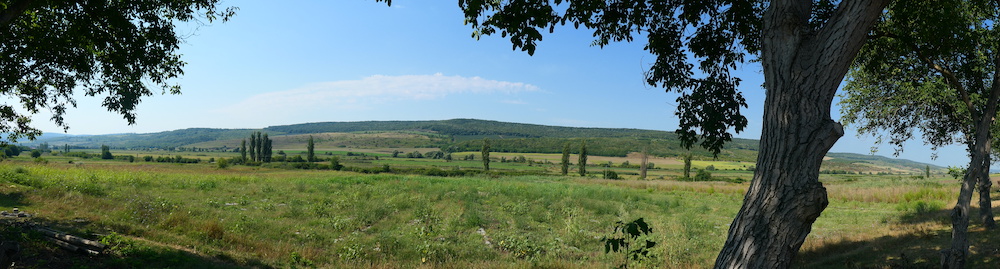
point(514, 102)
point(372, 91)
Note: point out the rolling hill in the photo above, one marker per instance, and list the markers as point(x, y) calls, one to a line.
point(449, 135)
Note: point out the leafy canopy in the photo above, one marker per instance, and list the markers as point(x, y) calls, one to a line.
point(120, 50)
point(929, 66)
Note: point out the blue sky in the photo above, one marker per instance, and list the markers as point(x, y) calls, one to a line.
point(315, 61)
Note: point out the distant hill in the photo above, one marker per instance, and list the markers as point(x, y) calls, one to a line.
point(471, 128)
point(861, 162)
point(877, 159)
point(164, 140)
point(467, 135)
point(451, 135)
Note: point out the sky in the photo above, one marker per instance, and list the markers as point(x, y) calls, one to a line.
point(318, 60)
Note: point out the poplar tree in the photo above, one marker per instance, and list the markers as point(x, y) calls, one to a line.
point(253, 147)
point(644, 164)
point(687, 166)
point(486, 154)
point(266, 152)
point(565, 159)
point(260, 147)
point(243, 151)
point(582, 161)
point(310, 146)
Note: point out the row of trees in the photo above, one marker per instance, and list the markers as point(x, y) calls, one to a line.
point(581, 160)
point(259, 148)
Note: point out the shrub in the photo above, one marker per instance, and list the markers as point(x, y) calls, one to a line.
point(608, 174)
point(335, 164)
point(703, 175)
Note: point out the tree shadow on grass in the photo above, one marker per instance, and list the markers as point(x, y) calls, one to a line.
point(9, 201)
point(919, 247)
point(36, 251)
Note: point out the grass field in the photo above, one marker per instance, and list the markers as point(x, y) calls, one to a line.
point(196, 215)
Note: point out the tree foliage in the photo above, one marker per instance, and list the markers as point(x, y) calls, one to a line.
point(243, 151)
point(927, 69)
point(266, 148)
point(933, 66)
point(565, 159)
point(486, 154)
point(582, 160)
point(106, 153)
point(687, 165)
point(310, 150)
point(119, 50)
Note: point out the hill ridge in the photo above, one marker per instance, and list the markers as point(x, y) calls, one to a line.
point(461, 134)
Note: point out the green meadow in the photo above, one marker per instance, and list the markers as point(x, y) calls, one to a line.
point(165, 215)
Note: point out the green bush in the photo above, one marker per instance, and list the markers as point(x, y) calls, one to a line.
point(703, 175)
point(608, 174)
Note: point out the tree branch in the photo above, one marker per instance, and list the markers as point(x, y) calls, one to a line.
point(991, 105)
point(843, 35)
point(950, 76)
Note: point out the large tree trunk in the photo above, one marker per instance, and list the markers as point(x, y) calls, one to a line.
point(985, 203)
point(802, 70)
point(955, 256)
point(986, 123)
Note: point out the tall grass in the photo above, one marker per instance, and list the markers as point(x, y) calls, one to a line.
point(332, 219)
point(295, 218)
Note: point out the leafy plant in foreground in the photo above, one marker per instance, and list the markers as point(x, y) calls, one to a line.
point(626, 239)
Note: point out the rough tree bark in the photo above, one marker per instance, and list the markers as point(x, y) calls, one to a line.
point(803, 69)
point(985, 203)
point(955, 257)
point(985, 123)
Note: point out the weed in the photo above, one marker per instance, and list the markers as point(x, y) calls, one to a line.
point(207, 185)
point(119, 245)
point(298, 259)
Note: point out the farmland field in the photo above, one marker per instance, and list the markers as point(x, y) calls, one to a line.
point(200, 215)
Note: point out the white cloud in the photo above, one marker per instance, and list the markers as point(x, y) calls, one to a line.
point(367, 93)
point(514, 102)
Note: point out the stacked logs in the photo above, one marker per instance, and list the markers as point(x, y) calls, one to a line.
point(71, 242)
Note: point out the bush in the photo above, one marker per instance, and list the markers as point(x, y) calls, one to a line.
point(335, 163)
point(222, 163)
point(703, 175)
point(78, 154)
point(608, 174)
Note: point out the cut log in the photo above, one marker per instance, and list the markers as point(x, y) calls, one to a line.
point(81, 244)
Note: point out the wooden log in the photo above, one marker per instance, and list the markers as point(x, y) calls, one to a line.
point(72, 248)
point(86, 243)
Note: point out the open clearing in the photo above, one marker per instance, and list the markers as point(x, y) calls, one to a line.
point(197, 215)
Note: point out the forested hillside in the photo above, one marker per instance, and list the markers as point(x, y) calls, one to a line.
point(448, 135)
point(471, 128)
point(160, 140)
